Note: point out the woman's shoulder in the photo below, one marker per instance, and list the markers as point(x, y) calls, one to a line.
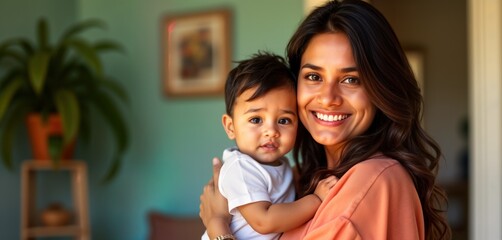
point(378, 188)
point(379, 161)
point(377, 165)
point(376, 171)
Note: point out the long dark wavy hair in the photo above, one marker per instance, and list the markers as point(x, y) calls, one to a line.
point(396, 131)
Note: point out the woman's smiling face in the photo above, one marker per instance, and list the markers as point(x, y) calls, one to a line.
point(332, 102)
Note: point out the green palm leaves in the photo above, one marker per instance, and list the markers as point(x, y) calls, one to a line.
point(67, 78)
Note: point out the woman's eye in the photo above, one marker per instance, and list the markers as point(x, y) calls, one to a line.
point(285, 121)
point(313, 77)
point(255, 120)
point(351, 80)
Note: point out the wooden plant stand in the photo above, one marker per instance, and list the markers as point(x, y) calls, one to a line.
point(79, 227)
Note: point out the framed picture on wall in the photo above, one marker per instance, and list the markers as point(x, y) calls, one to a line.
point(196, 53)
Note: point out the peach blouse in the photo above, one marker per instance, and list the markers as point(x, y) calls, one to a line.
point(375, 199)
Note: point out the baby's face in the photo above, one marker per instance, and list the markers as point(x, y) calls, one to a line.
point(265, 128)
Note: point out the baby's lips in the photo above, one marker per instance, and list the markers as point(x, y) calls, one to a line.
point(270, 145)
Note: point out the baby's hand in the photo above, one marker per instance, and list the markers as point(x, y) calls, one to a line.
point(324, 186)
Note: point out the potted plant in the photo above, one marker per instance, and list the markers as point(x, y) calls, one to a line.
point(63, 81)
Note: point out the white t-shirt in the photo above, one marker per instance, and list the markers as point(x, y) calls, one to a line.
point(243, 180)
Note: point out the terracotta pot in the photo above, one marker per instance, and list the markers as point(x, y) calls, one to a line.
point(40, 132)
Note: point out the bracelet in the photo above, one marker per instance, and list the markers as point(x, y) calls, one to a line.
point(317, 197)
point(225, 237)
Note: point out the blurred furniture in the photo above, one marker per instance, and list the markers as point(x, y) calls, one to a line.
point(458, 208)
point(164, 226)
point(30, 227)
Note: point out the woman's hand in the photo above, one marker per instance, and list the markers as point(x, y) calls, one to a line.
point(214, 207)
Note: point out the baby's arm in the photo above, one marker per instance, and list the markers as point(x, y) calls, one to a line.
point(265, 217)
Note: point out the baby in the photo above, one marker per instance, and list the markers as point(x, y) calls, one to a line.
point(256, 178)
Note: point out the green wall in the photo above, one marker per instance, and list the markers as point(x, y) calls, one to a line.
point(17, 19)
point(173, 140)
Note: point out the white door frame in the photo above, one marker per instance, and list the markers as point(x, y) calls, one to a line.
point(485, 88)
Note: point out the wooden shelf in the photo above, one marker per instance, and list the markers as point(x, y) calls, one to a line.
point(80, 227)
point(71, 230)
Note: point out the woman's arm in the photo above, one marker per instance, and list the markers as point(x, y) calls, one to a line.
point(214, 207)
point(265, 217)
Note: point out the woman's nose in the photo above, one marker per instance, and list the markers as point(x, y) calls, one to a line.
point(329, 95)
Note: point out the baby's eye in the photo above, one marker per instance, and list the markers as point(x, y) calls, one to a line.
point(313, 77)
point(285, 121)
point(255, 120)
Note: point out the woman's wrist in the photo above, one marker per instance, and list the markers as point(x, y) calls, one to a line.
point(218, 227)
point(225, 237)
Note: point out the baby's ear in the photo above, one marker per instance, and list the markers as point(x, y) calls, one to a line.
point(228, 125)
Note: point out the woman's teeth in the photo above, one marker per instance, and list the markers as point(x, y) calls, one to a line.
point(331, 118)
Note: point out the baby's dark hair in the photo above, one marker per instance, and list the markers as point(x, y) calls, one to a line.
point(264, 70)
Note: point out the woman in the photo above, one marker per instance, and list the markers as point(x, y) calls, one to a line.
point(360, 110)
